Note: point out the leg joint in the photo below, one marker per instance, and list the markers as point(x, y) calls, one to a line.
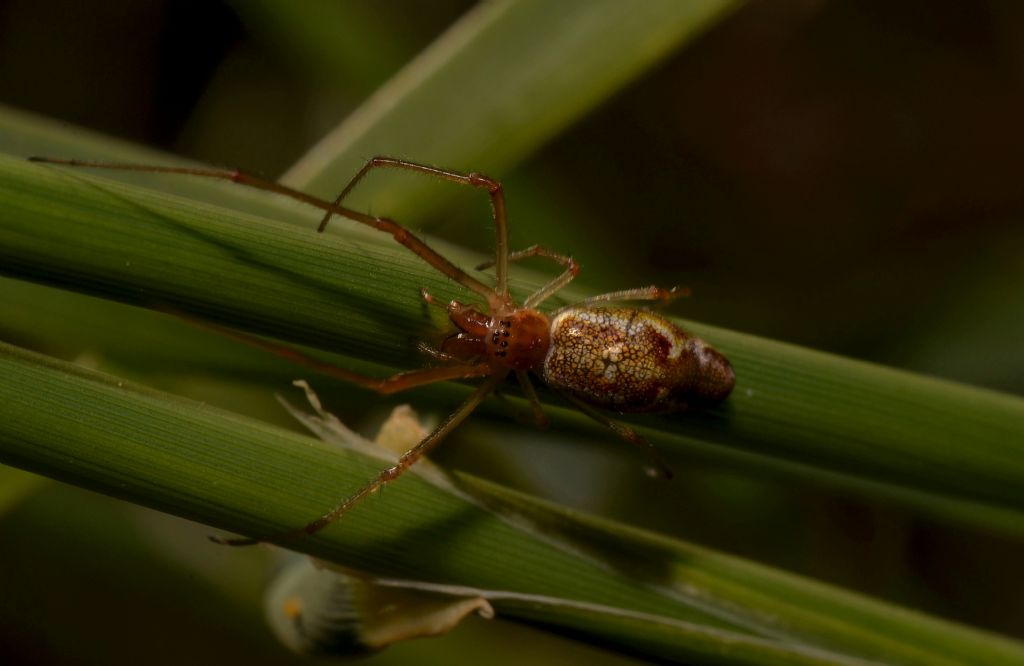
point(480, 180)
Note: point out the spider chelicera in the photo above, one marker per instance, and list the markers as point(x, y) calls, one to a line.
point(615, 358)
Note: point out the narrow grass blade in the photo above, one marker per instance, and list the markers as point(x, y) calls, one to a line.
point(504, 79)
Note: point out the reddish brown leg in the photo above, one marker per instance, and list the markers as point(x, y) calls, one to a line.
point(397, 231)
point(651, 293)
point(492, 186)
point(526, 417)
point(437, 354)
point(401, 381)
point(404, 381)
point(658, 466)
point(388, 475)
point(539, 417)
point(571, 270)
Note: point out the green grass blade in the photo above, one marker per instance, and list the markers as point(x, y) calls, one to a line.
point(465, 102)
point(24, 134)
point(360, 44)
point(357, 293)
point(642, 593)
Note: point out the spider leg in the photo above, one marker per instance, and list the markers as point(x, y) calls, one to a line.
point(522, 416)
point(658, 465)
point(437, 354)
point(407, 460)
point(571, 270)
point(401, 234)
point(404, 381)
point(492, 186)
point(651, 293)
point(539, 417)
point(401, 381)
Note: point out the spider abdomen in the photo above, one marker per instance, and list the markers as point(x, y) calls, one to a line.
point(632, 360)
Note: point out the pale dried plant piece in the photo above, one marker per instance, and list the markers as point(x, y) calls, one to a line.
point(317, 610)
point(402, 430)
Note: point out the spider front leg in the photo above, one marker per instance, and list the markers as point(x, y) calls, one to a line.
point(494, 190)
point(401, 234)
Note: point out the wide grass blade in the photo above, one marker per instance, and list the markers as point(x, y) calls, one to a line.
point(636, 591)
point(358, 293)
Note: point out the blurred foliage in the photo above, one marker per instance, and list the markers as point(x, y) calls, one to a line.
point(842, 175)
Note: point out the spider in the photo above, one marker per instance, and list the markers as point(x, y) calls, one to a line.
point(614, 358)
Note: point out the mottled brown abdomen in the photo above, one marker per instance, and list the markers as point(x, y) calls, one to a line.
point(633, 361)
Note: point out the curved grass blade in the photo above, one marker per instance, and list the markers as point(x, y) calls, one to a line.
point(505, 78)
